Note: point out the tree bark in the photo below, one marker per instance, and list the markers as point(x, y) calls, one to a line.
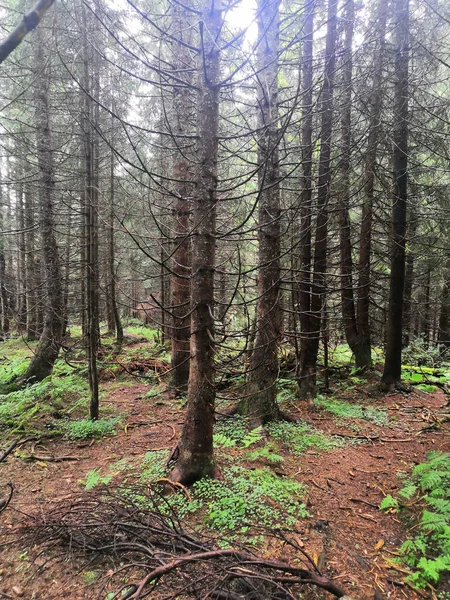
point(318, 288)
point(260, 404)
point(365, 247)
point(393, 360)
point(195, 450)
point(305, 371)
point(182, 112)
point(50, 341)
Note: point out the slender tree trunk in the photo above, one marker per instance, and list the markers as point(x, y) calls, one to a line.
point(360, 350)
point(91, 207)
point(182, 110)
point(318, 288)
point(365, 248)
point(22, 274)
point(50, 341)
point(409, 280)
point(260, 404)
point(195, 450)
point(393, 361)
point(117, 323)
point(4, 324)
point(31, 266)
point(444, 315)
point(305, 370)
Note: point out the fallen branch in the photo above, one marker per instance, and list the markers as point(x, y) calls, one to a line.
point(140, 527)
point(8, 450)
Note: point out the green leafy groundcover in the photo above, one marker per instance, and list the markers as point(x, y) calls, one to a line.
point(427, 554)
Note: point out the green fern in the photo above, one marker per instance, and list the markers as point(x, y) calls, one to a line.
point(93, 478)
point(253, 436)
point(428, 554)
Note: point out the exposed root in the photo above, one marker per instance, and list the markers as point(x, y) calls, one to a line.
point(139, 527)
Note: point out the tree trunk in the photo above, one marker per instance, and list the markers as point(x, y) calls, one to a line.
point(114, 321)
point(195, 450)
point(360, 350)
point(305, 371)
point(365, 248)
point(182, 112)
point(393, 361)
point(260, 404)
point(318, 288)
point(31, 265)
point(4, 324)
point(91, 219)
point(50, 341)
point(444, 315)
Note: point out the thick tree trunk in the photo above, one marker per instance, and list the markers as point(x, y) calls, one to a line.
point(365, 248)
point(182, 113)
point(50, 341)
point(318, 288)
point(305, 373)
point(260, 404)
point(195, 450)
point(393, 361)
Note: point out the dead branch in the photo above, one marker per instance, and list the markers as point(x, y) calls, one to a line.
point(8, 450)
point(158, 550)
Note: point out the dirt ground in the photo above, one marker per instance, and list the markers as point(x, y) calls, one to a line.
point(350, 538)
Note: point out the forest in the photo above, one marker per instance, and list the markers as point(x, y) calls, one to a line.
point(225, 299)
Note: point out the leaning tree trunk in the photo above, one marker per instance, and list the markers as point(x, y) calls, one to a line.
point(365, 248)
point(318, 288)
point(50, 341)
point(195, 450)
point(260, 404)
point(182, 112)
point(393, 361)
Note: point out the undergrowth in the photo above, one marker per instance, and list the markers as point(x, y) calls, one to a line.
point(300, 437)
point(85, 429)
point(345, 410)
point(427, 553)
point(244, 499)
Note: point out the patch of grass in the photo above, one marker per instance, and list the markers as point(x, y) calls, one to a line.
point(140, 330)
point(85, 429)
point(345, 410)
point(427, 554)
point(300, 437)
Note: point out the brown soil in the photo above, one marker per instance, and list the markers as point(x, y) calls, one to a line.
point(348, 536)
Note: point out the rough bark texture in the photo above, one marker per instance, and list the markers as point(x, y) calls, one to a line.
point(260, 404)
point(50, 341)
point(91, 217)
point(114, 320)
point(393, 361)
point(303, 368)
point(4, 324)
point(195, 450)
point(31, 267)
point(310, 350)
point(365, 248)
point(182, 172)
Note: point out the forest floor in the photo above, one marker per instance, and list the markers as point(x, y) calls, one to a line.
point(345, 464)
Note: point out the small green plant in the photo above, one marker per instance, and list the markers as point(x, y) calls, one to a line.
point(90, 577)
point(389, 502)
point(300, 437)
point(345, 410)
point(428, 553)
point(85, 429)
point(153, 465)
point(93, 478)
point(267, 453)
